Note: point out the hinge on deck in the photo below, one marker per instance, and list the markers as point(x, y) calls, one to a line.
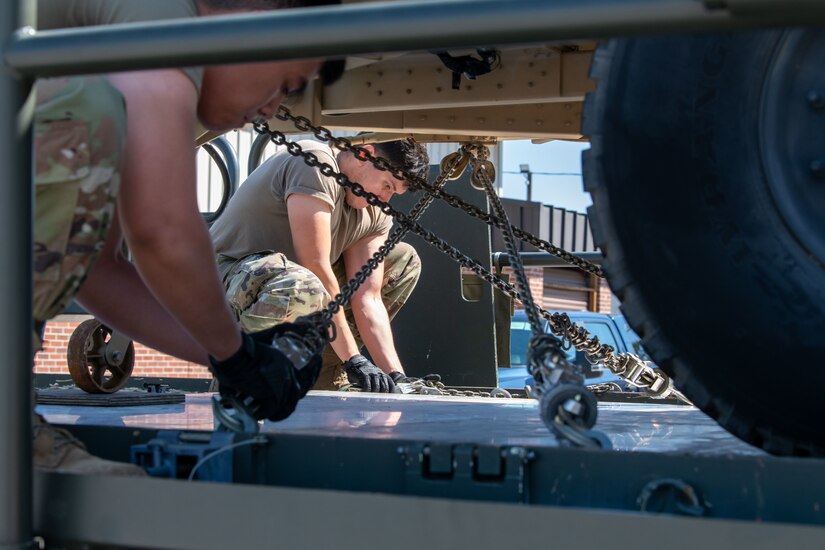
point(175, 454)
point(467, 471)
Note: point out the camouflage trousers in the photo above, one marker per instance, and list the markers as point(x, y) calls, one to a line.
point(79, 131)
point(266, 289)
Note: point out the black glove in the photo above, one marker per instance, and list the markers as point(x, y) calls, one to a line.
point(362, 372)
point(401, 378)
point(259, 371)
point(301, 329)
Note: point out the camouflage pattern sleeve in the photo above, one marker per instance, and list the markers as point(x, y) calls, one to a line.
point(80, 126)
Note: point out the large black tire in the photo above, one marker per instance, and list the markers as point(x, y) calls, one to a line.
point(709, 206)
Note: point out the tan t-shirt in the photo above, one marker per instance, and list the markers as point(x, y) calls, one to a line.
point(60, 14)
point(256, 219)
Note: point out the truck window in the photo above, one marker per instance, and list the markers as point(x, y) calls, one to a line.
point(519, 338)
point(634, 343)
point(602, 330)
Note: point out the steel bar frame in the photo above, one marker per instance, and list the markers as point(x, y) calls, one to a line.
point(16, 105)
point(382, 27)
point(334, 32)
point(544, 259)
point(244, 516)
point(282, 489)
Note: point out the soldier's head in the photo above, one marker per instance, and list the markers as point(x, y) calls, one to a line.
point(233, 95)
point(406, 154)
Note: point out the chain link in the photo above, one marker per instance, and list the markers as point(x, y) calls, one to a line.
point(568, 406)
point(422, 386)
point(303, 124)
point(625, 365)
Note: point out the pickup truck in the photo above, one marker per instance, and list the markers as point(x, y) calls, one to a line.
point(611, 329)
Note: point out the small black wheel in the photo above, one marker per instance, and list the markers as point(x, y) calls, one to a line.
point(86, 356)
point(707, 174)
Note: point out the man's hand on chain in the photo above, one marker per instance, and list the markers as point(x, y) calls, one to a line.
point(307, 335)
point(363, 373)
point(260, 371)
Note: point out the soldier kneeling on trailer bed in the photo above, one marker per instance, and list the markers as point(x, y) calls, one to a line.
point(291, 237)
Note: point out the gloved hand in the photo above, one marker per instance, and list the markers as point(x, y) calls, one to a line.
point(401, 378)
point(259, 371)
point(302, 329)
point(362, 372)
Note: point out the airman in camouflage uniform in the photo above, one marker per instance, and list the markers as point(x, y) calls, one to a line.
point(291, 207)
point(81, 149)
point(266, 289)
point(79, 130)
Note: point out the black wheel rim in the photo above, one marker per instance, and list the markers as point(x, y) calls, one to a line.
point(792, 137)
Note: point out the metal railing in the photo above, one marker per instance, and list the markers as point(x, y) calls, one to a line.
point(543, 259)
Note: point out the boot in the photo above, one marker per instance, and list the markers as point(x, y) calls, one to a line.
point(56, 450)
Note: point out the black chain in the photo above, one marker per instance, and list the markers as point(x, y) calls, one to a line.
point(481, 170)
point(406, 223)
point(303, 124)
point(625, 365)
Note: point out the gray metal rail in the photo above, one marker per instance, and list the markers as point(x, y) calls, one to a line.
point(543, 259)
point(383, 27)
point(15, 296)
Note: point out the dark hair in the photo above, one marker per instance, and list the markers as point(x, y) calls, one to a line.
point(407, 154)
point(331, 71)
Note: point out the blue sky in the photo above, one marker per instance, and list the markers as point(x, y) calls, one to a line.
point(553, 157)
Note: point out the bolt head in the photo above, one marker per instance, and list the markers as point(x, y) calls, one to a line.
point(573, 407)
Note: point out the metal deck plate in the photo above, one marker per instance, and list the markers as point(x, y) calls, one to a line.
point(630, 427)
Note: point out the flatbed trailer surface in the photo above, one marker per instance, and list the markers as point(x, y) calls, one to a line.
point(460, 420)
point(445, 472)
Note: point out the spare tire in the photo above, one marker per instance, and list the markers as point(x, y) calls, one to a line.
point(706, 170)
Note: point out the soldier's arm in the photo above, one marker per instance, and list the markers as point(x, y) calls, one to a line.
point(368, 308)
point(309, 221)
point(166, 234)
point(116, 295)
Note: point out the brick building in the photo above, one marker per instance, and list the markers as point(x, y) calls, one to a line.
point(557, 288)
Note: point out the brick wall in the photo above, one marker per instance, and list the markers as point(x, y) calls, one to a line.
point(148, 362)
point(536, 277)
point(605, 297)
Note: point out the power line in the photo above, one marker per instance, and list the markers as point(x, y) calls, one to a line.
point(546, 173)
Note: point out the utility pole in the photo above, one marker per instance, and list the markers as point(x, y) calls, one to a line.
point(528, 179)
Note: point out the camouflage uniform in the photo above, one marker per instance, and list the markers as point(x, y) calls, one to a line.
point(79, 131)
point(265, 289)
point(80, 126)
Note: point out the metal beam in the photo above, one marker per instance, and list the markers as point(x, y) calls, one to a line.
point(421, 81)
point(381, 27)
point(206, 516)
point(544, 259)
point(15, 295)
point(537, 120)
